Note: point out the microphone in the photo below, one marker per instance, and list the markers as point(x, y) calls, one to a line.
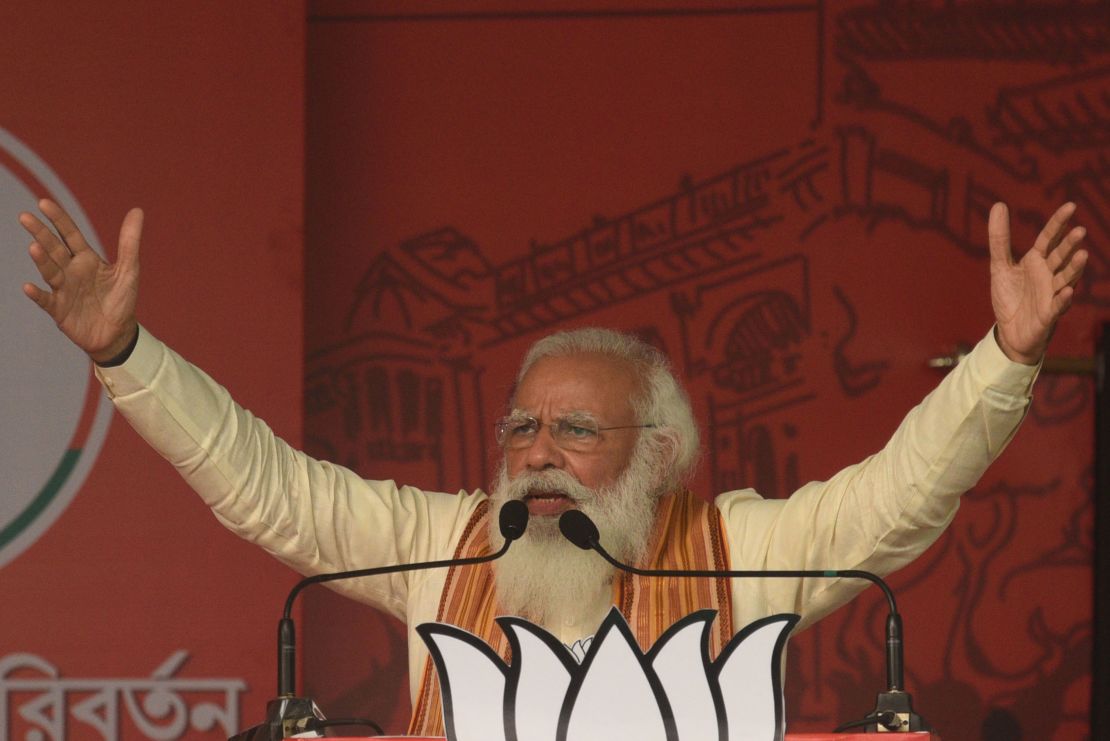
point(512, 520)
point(577, 527)
point(288, 715)
point(894, 708)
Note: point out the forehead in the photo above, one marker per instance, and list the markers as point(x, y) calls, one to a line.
point(584, 382)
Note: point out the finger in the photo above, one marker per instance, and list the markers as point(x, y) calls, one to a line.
point(50, 271)
point(1054, 229)
point(67, 228)
point(44, 299)
point(1062, 231)
point(1062, 301)
point(46, 237)
point(1060, 255)
point(998, 236)
point(130, 235)
point(1072, 272)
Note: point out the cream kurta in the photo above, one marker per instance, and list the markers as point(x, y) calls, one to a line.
point(318, 517)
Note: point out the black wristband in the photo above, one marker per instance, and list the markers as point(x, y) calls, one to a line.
point(122, 357)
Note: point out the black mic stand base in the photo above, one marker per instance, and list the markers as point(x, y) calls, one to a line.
point(286, 717)
point(893, 714)
point(896, 709)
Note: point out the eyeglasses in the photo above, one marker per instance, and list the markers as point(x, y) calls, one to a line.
point(576, 432)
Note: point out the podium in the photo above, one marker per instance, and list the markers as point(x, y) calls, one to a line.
point(915, 736)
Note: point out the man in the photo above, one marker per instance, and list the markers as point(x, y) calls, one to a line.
point(598, 422)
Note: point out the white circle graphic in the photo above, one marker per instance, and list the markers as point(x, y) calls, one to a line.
point(55, 414)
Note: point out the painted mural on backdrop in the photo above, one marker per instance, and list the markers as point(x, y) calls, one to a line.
point(717, 272)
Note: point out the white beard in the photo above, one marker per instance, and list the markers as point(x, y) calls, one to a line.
point(544, 576)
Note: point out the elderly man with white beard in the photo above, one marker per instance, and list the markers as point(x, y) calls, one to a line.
point(586, 381)
point(597, 422)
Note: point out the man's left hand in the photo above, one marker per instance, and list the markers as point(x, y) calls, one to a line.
point(1030, 295)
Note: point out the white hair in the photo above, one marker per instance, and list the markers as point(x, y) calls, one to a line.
point(672, 442)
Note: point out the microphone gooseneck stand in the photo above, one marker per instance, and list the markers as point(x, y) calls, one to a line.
point(894, 708)
point(288, 715)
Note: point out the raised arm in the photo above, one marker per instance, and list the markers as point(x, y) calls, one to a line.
point(91, 301)
point(311, 514)
point(883, 512)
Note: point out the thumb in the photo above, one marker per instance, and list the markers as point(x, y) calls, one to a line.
point(998, 236)
point(130, 234)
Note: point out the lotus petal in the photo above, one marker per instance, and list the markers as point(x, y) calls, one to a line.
point(580, 647)
point(749, 673)
point(680, 659)
point(471, 681)
point(615, 693)
point(537, 683)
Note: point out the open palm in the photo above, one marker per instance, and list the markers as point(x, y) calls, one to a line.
point(91, 301)
point(1029, 295)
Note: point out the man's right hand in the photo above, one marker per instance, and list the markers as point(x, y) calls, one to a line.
point(91, 301)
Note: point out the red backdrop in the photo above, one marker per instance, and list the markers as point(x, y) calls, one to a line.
point(791, 199)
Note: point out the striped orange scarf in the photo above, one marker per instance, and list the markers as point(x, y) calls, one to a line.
point(687, 534)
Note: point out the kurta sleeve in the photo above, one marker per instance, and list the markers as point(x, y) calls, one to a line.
point(883, 512)
point(314, 516)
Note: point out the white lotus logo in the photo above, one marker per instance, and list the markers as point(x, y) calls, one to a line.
point(671, 693)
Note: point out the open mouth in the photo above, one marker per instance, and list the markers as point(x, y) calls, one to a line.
point(547, 502)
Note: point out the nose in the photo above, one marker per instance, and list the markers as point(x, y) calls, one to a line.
point(544, 452)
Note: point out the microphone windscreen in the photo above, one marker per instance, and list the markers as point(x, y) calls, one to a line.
point(513, 519)
point(579, 529)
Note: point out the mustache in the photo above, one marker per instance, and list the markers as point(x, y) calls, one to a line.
point(554, 481)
